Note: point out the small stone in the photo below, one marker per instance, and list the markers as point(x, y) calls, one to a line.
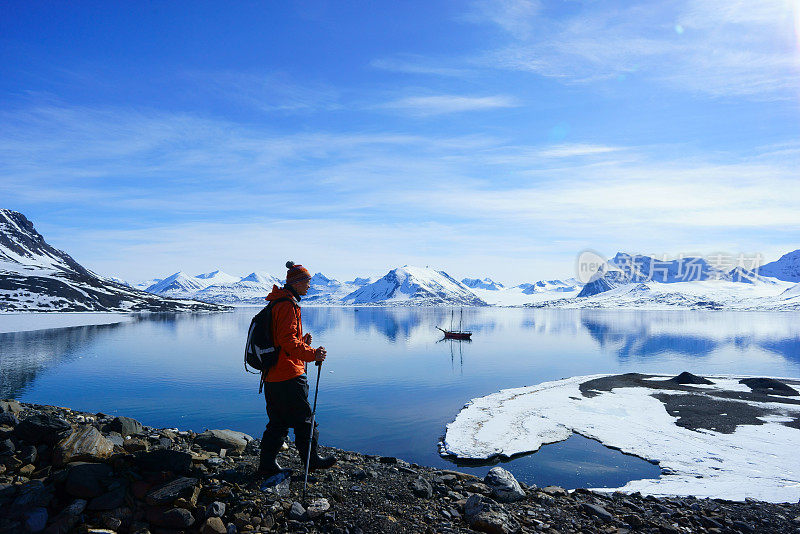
point(215, 440)
point(555, 491)
point(422, 488)
point(317, 508)
point(176, 518)
point(485, 515)
point(598, 511)
point(504, 486)
point(172, 490)
point(297, 512)
point(213, 525)
point(36, 519)
point(743, 527)
point(135, 445)
point(633, 520)
point(26, 470)
point(216, 509)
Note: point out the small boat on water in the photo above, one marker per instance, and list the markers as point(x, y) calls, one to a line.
point(456, 334)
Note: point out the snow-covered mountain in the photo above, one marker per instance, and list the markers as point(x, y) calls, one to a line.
point(787, 268)
point(250, 289)
point(486, 283)
point(630, 269)
point(35, 276)
point(324, 290)
point(564, 286)
point(179, 285)
point(217, 278)
point(415, 286)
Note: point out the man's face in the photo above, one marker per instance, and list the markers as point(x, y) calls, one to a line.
point(302, 287)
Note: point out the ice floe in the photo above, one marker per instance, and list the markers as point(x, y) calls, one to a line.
point(722, 440)
point(20, 322)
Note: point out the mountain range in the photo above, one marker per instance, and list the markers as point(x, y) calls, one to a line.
point(35, 276)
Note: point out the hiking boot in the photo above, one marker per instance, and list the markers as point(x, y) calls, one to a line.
point(317, 461)
point(268, 459)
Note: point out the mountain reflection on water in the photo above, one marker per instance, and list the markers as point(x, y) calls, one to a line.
point(390, 385)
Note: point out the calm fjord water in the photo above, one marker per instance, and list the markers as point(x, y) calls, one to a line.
point(390, 385)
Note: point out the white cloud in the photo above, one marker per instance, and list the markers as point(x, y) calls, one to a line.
point(441, 104)
point(414, 64)
point(576, 150)
point(722, 47)
point(200, 191)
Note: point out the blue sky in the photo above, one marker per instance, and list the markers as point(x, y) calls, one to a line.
point(482, 138)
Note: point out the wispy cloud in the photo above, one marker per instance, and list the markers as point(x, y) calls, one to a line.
point(416, 64)
point(717, 47)
point(576, 150)
point(376, 200)
point(441, 104)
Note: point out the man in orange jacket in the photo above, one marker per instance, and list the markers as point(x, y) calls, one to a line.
point(286, 385)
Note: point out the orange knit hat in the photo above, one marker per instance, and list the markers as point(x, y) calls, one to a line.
point(296, 273)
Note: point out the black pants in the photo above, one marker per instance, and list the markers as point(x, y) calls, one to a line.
point(288, 407)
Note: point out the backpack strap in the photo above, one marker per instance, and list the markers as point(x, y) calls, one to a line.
point(270, 306)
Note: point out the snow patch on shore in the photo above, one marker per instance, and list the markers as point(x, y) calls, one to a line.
point(758, 461)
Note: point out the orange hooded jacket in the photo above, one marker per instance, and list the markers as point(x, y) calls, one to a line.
point(287, 332)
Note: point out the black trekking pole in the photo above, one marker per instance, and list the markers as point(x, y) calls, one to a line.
point(311, 435)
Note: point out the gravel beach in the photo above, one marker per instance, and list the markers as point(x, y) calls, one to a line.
point(64, 471)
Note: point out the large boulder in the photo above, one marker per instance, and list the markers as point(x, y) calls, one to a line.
point(485, 515)
point(43, 428)
point(504, 486)
point(125, 426)
point(87, 444)
point(215, 440)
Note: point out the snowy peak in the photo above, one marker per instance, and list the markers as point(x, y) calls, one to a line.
point(567, 285)
point(178, 284)
point(486, 283)
point(787, 268)
point(411, 285)
point(320, 279)
point(262, 277)
point(217, 278)
point(21, 244)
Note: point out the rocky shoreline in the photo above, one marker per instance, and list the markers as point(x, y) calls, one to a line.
point(64, 471)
